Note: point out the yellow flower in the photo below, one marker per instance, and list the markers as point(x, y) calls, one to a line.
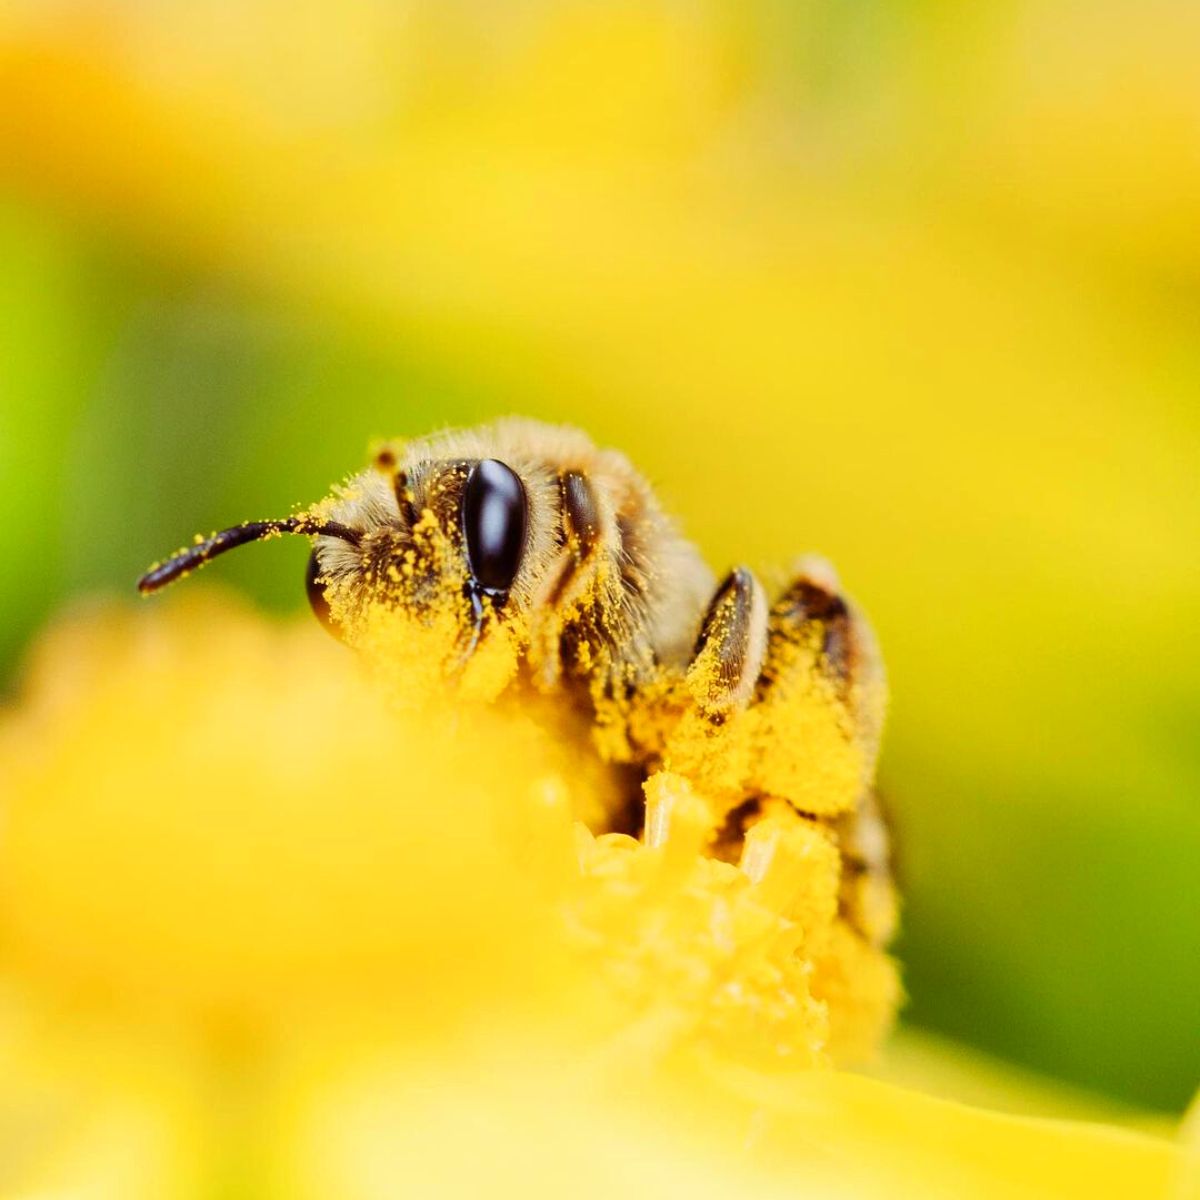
point(260, 931)
point(910, 290)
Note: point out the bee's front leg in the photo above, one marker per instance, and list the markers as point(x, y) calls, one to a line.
point(708, 710)
point(731, 647)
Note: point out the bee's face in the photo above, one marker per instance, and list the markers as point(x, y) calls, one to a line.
point(514, 540)
point(441, 540)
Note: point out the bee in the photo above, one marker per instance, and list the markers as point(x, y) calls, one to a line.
point(527, 541)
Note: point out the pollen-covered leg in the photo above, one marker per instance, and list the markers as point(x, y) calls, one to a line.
point(709, 728)
point(821, 694)
point(578, 605)
point(731, 646)
point(821, 697)
point(785, 703)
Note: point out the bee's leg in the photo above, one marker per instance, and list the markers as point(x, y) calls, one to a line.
point(813, 628)
point(571, 607)
point(731, 647)
point(822, 658)
point(708, 725)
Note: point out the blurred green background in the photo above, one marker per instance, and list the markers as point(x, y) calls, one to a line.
point(913, 285)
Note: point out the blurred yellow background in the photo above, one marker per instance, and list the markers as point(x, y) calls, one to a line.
point(911, 284)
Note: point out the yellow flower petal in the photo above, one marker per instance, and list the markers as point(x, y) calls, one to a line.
point(203, 813)
point(261, 930)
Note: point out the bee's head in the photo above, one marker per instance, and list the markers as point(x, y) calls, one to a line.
point(440, 540)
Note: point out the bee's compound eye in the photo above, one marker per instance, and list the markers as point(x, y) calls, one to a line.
point(315, 587)
point(494, 516)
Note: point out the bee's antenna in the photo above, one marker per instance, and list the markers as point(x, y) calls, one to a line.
point(228, 539)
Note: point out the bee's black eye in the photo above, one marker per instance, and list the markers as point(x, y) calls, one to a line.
point(494, 514)
point(315, 587)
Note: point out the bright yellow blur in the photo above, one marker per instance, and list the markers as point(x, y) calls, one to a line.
point(209, 818)
point(261, 932)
